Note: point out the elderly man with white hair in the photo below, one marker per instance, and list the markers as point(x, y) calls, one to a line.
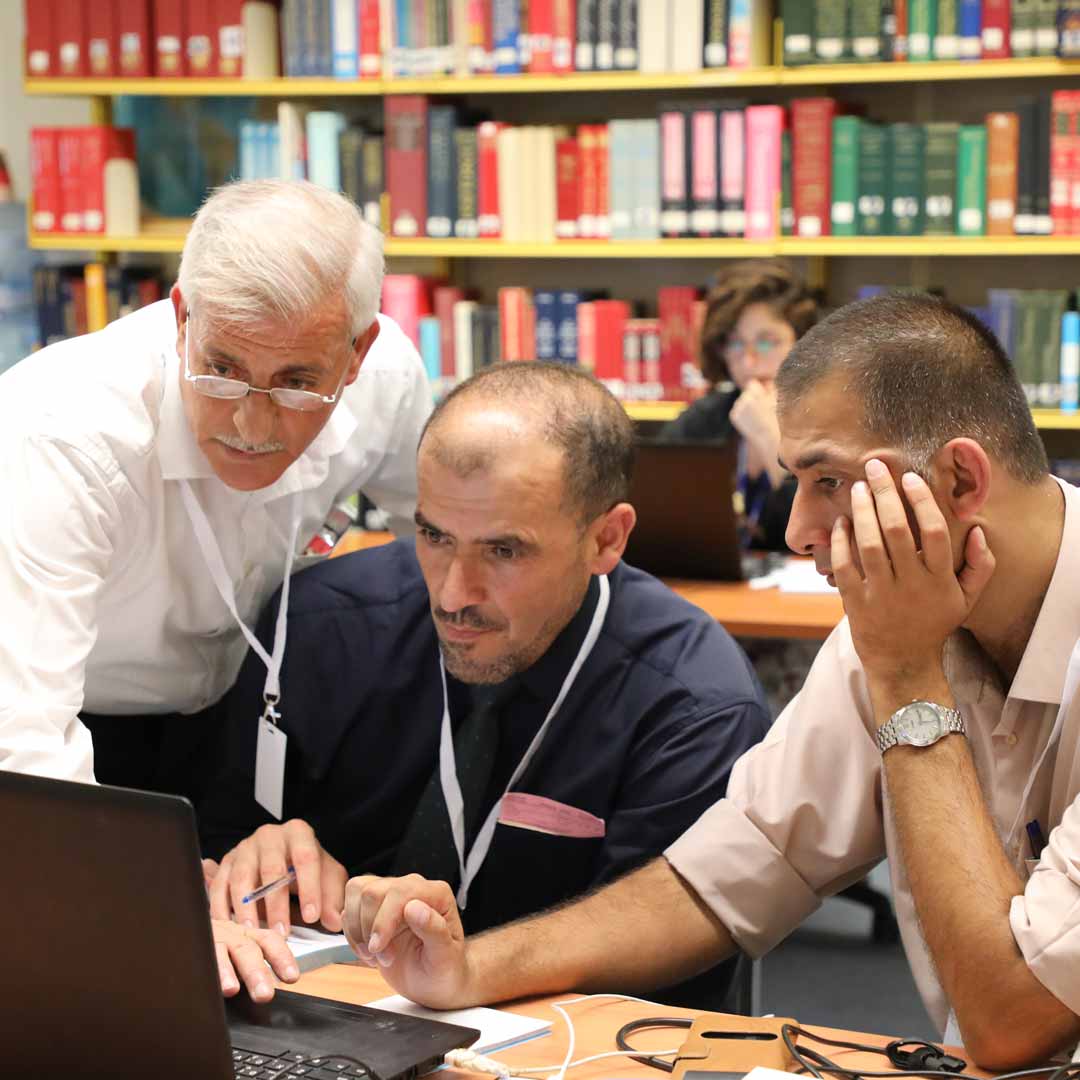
point(161, 478)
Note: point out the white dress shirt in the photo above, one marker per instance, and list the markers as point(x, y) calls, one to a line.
point(107, 603)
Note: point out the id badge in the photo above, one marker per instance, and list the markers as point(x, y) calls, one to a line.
point(270, 767)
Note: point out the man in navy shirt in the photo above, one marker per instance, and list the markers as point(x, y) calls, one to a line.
point(505, 705)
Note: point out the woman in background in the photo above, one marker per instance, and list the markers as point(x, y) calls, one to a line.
point(754, 313)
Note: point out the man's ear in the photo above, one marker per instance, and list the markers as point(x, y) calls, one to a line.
point(360, 347)
point(962, 475)
point(180, 311)
point(610, 533)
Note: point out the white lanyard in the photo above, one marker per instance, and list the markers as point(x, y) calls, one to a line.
point(451, 788)
point(215, 563)
point(1072, 680)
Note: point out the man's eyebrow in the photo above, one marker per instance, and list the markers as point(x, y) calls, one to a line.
point(301, 368)
point(423, 523)
point(806, 461)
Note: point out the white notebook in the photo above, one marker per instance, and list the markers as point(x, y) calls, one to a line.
point(498, 1029)
point(313, 948)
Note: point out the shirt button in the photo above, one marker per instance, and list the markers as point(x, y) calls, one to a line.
point(1011, 739)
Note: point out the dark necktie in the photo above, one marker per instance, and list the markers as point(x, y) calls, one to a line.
point(427, 847)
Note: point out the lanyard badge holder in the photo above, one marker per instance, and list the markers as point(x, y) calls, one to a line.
point(271, 743)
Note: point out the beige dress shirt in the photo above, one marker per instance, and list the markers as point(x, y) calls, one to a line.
point(806, 813)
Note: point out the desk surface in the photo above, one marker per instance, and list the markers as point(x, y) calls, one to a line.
point(595, 1025)
point(742, 611)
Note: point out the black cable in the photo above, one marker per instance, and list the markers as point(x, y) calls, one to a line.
point(642, 1024)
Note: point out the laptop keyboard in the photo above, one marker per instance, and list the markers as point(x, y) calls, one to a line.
point(284, 1066)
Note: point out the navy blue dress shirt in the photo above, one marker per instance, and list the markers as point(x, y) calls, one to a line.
point(645, 741)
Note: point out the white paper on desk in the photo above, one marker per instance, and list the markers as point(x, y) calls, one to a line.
point(313, 948)
point(795, 576)
point(498, 1028)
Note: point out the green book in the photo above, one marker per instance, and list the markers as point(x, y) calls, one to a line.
point(845, 174)
point(832, 30)
point(1025, 19)
point(940, 204)
point(947, 31)
point(872, 208)
point(908, 179)
point(922, 26)
point(798, 19)
point(971, 181)
point(866, 30)
point(1053, 304)
point(787, 206)
point(1046, 27)
point(1025, 358)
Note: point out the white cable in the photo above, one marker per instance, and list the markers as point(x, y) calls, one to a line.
point(468, 1059)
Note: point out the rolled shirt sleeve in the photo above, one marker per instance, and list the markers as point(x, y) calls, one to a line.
point(802, 818)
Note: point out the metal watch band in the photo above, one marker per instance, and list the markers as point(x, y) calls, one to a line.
point(887, 736)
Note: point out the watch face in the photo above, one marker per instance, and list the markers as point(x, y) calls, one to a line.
point(919, 725)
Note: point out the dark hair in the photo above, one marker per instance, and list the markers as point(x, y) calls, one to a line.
point(761, 281)
point(572, 411)
point(925, 371)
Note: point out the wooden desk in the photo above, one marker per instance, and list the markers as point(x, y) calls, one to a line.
point(595, 1024)
point(742, 611)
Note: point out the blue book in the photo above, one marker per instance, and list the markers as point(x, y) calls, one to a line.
point(345, 39)
point(1002, 309)
point(249, 166)
point(323, 148)
point(324, 40)
point(292, 38)
point(646, 184)
point(506, 28)
point(545, 305)
point(431, 348)
point(566, 338)
point(401, 52)
point(266, 161)
point(969, 21)
point(442, 171)
point(621, 188)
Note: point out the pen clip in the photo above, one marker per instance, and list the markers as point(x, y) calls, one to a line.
point(271, 714)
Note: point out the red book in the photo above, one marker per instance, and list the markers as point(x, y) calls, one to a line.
point(567, 188)
point(72, 179)
point(405, 299)
point(611, 317)
point(229, 43)
point(996, 29)
point(200, 45)
point(1074, 162)
point(446, 296)
point(1060, 161)
point(406, 163)
point(101, 40)
point(45, 168)
point(100, 144)
point(370, 53)
point(811, 164)
point(588, 181)
point(134, 46)
point(603, 189)
point(675, 306)
point(515, 342)
point(704, 172)
point(487, 184)
point(764, 126)
point(900, 39)
point(69, 28)
point(541, 25)
point(40, 50)
point(170, 38)
point(564, 35)
point(674, 182)
point(632, 345)
point(586, 335)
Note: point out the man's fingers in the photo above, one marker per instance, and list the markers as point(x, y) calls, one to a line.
point(209, 872)
point(438, 934)
point(867, 534)
point(274, 865)
point(306, 855)
point(244, 879)
point(334, 877)
point(978, 568)
point(891, 516)
point(229, 983)
point(933, 532)
point(844, 571)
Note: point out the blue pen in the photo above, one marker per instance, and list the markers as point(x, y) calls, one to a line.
point(1035, 838)
point(258, 894)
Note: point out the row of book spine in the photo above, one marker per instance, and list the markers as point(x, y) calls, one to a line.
point(637, 358)
point(862, 31)
point(85, 180)
point(74, 298)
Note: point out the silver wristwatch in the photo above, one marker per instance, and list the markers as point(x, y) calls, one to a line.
point(921, 723)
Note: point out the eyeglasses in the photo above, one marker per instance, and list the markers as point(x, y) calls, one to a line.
point(216, 386)
point(760, 346)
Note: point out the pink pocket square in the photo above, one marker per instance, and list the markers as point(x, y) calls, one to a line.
point(548, 816)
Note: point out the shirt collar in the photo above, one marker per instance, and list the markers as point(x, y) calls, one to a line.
point(544, 678)
point(1041, 674)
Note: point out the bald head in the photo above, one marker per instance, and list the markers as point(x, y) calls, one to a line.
point(530, 406)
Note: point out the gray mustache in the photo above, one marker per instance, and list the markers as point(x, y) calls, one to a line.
point(465, 618)
point(234, 442)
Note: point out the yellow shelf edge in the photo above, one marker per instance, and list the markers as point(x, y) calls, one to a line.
point(849, 246)
point(1056, 420)
point(654, 410)
point(579, 82)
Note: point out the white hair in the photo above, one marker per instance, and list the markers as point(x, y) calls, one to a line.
point(281, 249)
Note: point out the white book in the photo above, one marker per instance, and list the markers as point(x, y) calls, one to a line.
point(260, 40)
point(292, 159)
point(463, 313)
point(545, 213)
point(686, 41)
point(654, 26)
point(498, 1028)
point(345, 39)
point(510, 173)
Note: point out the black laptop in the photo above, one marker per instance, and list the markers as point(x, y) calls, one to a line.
point(109, 967)
point(687, 527)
